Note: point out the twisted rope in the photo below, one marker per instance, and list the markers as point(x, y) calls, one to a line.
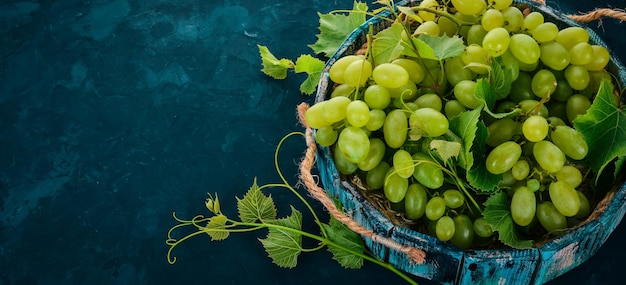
point(596, 14)
point(415, 255)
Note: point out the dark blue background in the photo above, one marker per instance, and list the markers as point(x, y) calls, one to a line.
point(116, 113)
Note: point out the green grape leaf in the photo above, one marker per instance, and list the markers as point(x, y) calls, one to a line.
point(410, 13)
point(388, 44)
point(498, 214)
point(604, 129)
point(446, 149)
point(443, 46)
point(313, 67)
point(272, 66)
point(500, 78)
point(465, 127)
point(342, 235)
point(487, 94)
point(255, 206)
point(216, 227)
point(335, 28)
point(282, 245)
point(478, 176)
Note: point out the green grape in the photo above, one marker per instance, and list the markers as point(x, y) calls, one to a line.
point(469, 7)
point(523, 206)
point(482, 228)
point(454, 108)
point(390, 75)
point(377, 97)
point(395, 187)
point(344, 90)
point(344, 166)
point(430, 122)
point(533, 185)
point(581, 54)
point(525, 48)
point(354, 144)
point(476, 58)
point(409, 106)
point(337, 70)
point(374, 155)
point(532, 20)
point(563, 91)
point(502, 158)
point(521, 88)
point(501, 131)
point(511, 64)
point(504, 106)
point(596, 77)
point(416, 71)
point(585, 207)
point(403, 163)
point(456, 71)
point(529, 67)
point(463, 231)
point(454, 198)
point(447, 27)
point(475, 34)
point(570, 141)
point(571, 36)
point(564, 198)
point(496, 41)
point(335, 109)
point(571, 175)
point(444, 228)
point(600, 59)
point(492, 18)
point(435, 208)
point(428, 27)
point(428, 16)
point(314, 116)
point(429, 100)
point(500, 4)
point(407, 91)
point(557, 110)
point(464, 93)
point(415, 201)
point(533, 107)
point(326, 136)
point(556, 121)
point(543, 83)
point(395, 128)
point(376, 121)
point(508, 180)
point(535, 128)
point(520, 169)
point(357, 113)
point(545, 32)
point(576, 105)
point(427, 172)
point(549, 156)
point(375, 178)
point(358, 72)
point(549, 218)
point(513, 19)
point(554, 55)
point(577, 77)
point(436, 82)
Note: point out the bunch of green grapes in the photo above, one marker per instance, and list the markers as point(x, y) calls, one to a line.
point(380, 118)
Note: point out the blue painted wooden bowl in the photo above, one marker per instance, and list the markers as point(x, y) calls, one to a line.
point(446, 263)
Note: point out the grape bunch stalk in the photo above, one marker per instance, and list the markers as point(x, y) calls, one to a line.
point(396, 114)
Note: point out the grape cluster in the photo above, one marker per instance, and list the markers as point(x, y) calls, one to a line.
point(381, 116)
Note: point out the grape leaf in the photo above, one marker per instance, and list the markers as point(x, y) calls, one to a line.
point(335, 28)
point(500, 78)
point(342, 235)
point(465, 127)
point(282, 245)
point(478, 176)
point(604, 129)
point(446, 149)
point(255, 206)
point(313, 68)
point(487, 94)
point(215, 227)
point(410, 13)
point(498, 214)
point(444, 46)
point(388, 44)
point(272, 66)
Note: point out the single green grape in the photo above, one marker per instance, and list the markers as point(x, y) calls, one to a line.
point(390, 75)
point(454, 198)
point(564, 198)
point(520, 169)
point(476, 58)
point(415, 201)
point(375, 178)
point(343, 165)
point(374, 155)
point(403, 163)
point(326, 136)
point(429, 100)
point(513, 19)
point(353, 143)
point(444, 228)
point(430, 122)
point(464, 93)
point(475, 34)
point(395, 128)
point(395, 187)
point(543, 83)
point(496, 41)
point(427, 171)
point(577, 77)
point(535, 128)
point(577, 104)
point(571, 175)
point(548, 156)
point(521, 88)
point(456, 71)
point(428, 27)
point(523, 206)
point(314, 116)
point(545, 32)
point(428, 16)
point(447, 27)
point(416, 71)
point(491, 19)
point(532, 20)
point(454, 108)
point(502, 158)
point(344, 90)
point(585, 207)
point(463, 231)
point(550, 218)
point(377, 97)
point(376, 121)
point(482, 228)
point(581, 54)
point(570, 141)
point(357, 113)
point(501, 131)
point(525, 48)
point(554, 55)
point(358, 72)
point(435, 208)
point(469, 7)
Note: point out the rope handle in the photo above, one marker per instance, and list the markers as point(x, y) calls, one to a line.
point(596, 14)
point(306, 165)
